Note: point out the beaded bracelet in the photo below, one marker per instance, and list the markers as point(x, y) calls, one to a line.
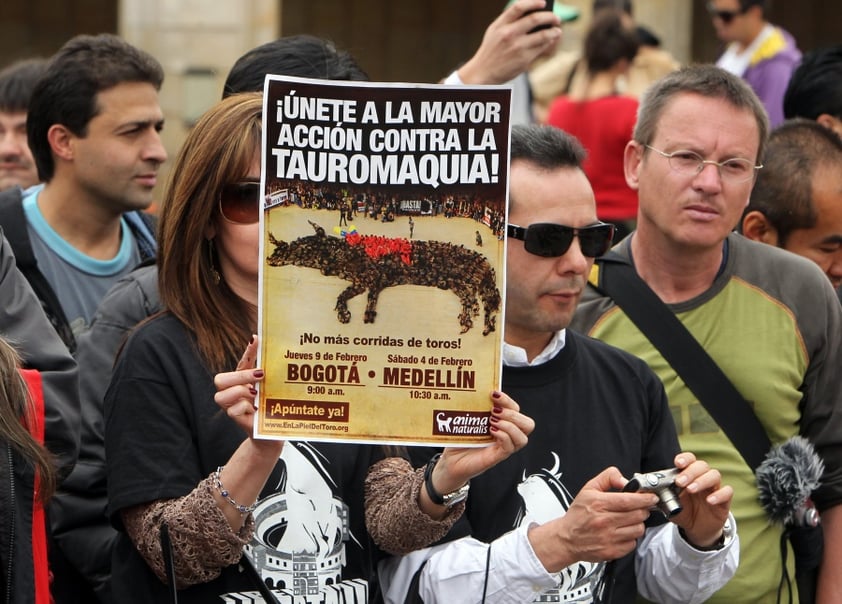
point(243, 509)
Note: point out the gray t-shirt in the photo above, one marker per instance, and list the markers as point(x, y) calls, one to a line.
point(80, 282)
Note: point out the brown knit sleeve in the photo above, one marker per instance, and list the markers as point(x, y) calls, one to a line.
point(392, 515)
point(203, 542)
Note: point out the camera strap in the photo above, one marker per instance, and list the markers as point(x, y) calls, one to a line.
point(169, 565)
point(413, 595)
point(618, 280)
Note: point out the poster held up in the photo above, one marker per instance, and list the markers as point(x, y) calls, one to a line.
point(382, 267)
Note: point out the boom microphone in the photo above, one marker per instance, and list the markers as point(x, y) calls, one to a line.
point(785, 479)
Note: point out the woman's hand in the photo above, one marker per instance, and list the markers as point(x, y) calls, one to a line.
point(236, 391)
point(510, 430)
point(246, 471)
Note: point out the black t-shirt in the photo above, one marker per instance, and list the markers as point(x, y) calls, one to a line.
point(594, 406)
point(164, 434)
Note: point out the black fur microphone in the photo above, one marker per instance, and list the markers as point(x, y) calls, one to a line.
point(785, 479)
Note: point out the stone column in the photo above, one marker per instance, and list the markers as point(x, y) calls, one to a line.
point(197, 42)
point(670, 20)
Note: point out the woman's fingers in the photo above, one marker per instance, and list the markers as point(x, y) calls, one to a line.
point(229, 379)
point(249, 358)
point(506, 408)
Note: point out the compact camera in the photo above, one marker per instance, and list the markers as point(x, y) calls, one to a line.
point(662, 483)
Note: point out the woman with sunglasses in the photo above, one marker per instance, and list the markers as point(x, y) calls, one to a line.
point(179, 460)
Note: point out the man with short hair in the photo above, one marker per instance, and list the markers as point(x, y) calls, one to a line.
point(17, 166)
point(93, 128)
point(764, 55)
point(135, 297)
point(796, 203)
point(815, 92)
point(550, 524)
point(769, 319)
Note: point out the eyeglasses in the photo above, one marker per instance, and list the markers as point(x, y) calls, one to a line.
point(552, 240)
point(239, 202)
point(734, 170)
point(726, 16)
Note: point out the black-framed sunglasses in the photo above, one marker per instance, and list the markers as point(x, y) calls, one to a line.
point(726, 16)
point(239, 202)
point(552, 240)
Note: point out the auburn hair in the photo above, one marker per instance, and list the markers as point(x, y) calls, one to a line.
point(219, 150)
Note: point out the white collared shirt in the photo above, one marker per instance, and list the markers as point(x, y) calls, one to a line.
point(514, 573)
point(515, 356)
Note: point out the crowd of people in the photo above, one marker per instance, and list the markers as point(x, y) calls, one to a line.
point(128, 346)
point(386, 205)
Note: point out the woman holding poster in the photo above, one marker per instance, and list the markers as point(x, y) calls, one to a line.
point(241, 514)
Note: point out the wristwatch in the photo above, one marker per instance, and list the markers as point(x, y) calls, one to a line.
point(448, 499)
point(727, 535)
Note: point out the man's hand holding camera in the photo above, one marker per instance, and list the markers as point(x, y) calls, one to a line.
point(604, 522)
point(705, 501)
point(601, 524)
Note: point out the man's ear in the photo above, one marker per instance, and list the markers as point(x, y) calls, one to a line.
point(757, 227)
point(830, 122)
point(61, 141)
point(632, 160)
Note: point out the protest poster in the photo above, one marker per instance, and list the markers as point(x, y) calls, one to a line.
point(381, 280)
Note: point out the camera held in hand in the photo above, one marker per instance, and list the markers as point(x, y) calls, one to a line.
point(662, 483)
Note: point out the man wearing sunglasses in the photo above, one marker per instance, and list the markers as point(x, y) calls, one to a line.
point(768, 318)
point(763, 54)
point(551, 524)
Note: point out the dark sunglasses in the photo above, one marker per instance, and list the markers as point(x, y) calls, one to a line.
point(239, 202)
point(552, 240)
point(726, 16)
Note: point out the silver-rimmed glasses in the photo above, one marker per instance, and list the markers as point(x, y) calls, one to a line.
point(735, 169)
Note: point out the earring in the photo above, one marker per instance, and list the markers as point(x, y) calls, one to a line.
point(215, 276)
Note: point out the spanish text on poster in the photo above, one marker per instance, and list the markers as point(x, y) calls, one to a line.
point(383, 261)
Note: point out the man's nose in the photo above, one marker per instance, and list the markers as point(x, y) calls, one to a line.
point(709, 176)
point(10, 144)
point(155, 150)
point(573, 260)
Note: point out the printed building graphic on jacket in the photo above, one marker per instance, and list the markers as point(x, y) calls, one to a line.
point(300, 535)
point(544, 498)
